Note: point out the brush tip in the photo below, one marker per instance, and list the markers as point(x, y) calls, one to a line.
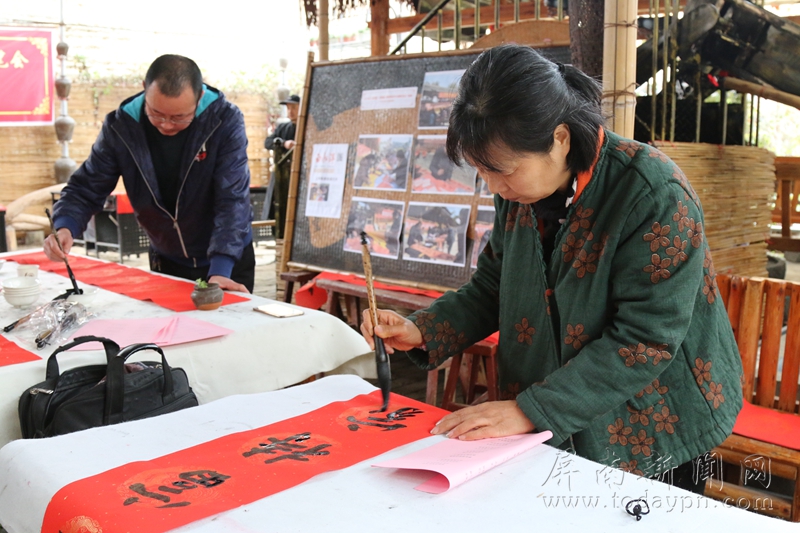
point(363, 237)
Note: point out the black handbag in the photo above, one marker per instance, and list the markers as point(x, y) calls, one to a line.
point(100, 395)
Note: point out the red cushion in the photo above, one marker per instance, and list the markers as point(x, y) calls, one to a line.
point(768, 425)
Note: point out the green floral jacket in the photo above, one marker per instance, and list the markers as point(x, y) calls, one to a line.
point(621, 347)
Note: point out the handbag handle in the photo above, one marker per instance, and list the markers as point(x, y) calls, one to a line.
point(115, 381)
point(111, 347)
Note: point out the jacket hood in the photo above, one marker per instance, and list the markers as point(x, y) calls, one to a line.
point(133, 105)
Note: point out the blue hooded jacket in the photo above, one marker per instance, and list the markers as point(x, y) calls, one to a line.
point(211, 225)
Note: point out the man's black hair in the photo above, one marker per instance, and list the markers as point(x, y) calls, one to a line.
point(173, 73)
point(512, 96)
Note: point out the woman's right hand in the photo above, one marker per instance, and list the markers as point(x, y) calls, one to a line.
point(398, 333)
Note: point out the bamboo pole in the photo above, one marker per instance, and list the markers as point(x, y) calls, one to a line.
point(294, 179)
point(619, 65)
point(763, 91)
point(324, 40)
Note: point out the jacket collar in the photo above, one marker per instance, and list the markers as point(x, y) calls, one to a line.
point(585, 177)
point(129, 128)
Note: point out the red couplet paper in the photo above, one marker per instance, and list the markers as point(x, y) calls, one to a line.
point(216, 476)
point(768, 425)
point(173, 294)
point(11, 354)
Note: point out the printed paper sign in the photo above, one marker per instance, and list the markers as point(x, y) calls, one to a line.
point(396, 98)
point(326, 180)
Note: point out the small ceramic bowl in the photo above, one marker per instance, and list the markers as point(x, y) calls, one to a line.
point(86, 298)
point(21, 284)
point(20, 300)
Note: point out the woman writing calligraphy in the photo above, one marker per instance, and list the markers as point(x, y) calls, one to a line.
point(597, 275)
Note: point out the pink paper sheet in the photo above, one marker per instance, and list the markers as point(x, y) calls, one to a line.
point(454, 461)
point(164, 331)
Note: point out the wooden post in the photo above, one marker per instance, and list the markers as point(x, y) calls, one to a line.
point(322, 22)
point(586, 36)
point(294, 180)
point(619, 65)
point(379, 39)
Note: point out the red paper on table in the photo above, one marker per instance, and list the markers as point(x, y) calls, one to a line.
point(188, 485)
point(768, 425)
point(26, 76)
point(311, 296)
point(173, 294)
point(11, 354)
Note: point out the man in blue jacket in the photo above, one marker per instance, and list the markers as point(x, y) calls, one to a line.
point(180, 148)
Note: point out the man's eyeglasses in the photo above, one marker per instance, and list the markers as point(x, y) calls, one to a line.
point(157, 119)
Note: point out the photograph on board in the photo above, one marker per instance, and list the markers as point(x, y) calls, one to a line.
point(434, 173)
point(485, 192)
point(484, 222)
point(382, 162)
point(439, 89)
point(436, 233)
point(382, 220)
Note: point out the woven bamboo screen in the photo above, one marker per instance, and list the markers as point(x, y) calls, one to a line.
point(735, 185)
point(27, 153)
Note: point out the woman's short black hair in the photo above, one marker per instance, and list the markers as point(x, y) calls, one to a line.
point(512, 96)
point(173, 73)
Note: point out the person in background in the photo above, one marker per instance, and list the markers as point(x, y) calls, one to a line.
point(281, 141)
point(181, 150)
point(597, 275)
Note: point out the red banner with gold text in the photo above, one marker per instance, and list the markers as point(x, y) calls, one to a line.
point(226, 473)
point(26, 76)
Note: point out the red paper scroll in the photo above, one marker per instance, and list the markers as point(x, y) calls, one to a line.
point(185, 486)
point(26, 76)
point(11, 354)
point(309, 295)
point(138, 284)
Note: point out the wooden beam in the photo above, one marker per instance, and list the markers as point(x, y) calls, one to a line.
point(783, 244)
point(379, 34)
point(527, 10)
point(787, 168)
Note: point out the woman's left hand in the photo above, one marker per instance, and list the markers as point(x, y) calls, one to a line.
point(486, 420)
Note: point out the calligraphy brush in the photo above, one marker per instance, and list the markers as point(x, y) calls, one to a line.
point(66, 261)
point(381, 358)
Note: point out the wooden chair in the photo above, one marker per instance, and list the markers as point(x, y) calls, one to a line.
point(756, 308)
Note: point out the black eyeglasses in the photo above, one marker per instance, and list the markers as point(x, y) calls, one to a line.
point(162, 120)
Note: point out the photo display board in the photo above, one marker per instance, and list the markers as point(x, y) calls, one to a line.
point(375, 130)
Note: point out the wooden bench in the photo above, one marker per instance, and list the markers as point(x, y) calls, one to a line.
point(295, 276)
point(756, 308)
point(466, 362)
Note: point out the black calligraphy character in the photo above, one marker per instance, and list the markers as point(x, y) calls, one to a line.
point(298, 452)
point(385, 422)
point(205, 478)
point(301, 455)
point(139, 488)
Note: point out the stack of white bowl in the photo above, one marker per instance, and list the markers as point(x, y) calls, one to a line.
point(22, 291)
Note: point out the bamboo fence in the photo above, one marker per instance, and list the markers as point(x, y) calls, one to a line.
point(735, 185)
point(28, 152)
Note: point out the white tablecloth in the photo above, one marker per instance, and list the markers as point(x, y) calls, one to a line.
point(262, 354)
point(519, 495)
